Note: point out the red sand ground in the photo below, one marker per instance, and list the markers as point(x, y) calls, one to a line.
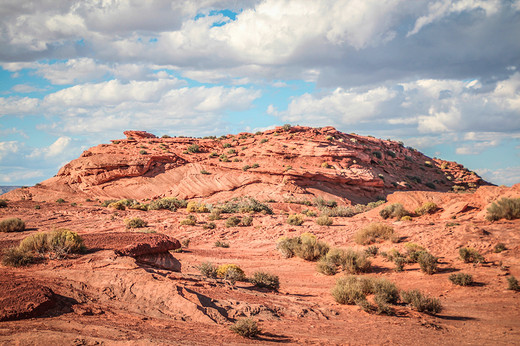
point(102, 297)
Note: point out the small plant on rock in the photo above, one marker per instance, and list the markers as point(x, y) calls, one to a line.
point(13, 224)
point(393, 211)
point(372, 233)
point(461, 279)
point(246, 327)
point(499, 248)
point(512, 283)
point(265, 280)
point(208, 269)
point(295, 219)
point(470, 255)
point(190, 220)
point(221, 244)
point(135, 222)
point(505, 208)
point(420, 302)
point(324, 220)
point(426, 208)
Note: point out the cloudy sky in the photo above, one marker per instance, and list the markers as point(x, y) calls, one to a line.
point(442, 76)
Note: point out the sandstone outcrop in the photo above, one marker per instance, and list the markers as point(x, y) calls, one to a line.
point(296, 162)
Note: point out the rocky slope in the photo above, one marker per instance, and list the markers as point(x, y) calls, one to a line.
point(287, 162)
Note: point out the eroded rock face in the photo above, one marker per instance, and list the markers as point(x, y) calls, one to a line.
point(296, 162)
point(131, 244)
point(23, 298)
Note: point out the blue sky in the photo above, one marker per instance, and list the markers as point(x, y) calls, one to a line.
point(442, 76)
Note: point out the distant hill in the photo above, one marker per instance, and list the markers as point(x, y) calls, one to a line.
point(4, 189)
point(287, 163)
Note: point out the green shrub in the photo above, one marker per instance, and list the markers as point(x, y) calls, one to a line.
point(395, 210)
point(37, 207)
point(16, 257)
point(512, 283)
point(231, 272)
point(233, 221)
point(169, 203)
point(326, 266)
point(246, 167)
point(286, 127)
point(246, 221)
point(431, 185)
point(353, 290)
point(208, 269)
point(194, 148)
point(215, 215)
point(470, 255)
point(372, 251)
point(499, 248)
point(60, 201)
point(295, 219)
point(372, 233)
point(3, 203)
point(265, 280)
point(310, 248)
point(12, 224)
point(204, 172)
point(264, 140)
point(246, 327)
point(210, 225)
point(426, 208)
point(196, 207)
point(63, 241)
point(286, 246)
point(348, 290)
point(190, 220)
point(324, 220)
point(221, 244)
point(427, 262)
point(244, 205)
point(421, 303)
point(505, 208)
point(135, 222)
point(143, 152)
point(354, 262)
point(320, 203)
point(226, 145)
point(461, 279)
point(36, 243)
point(399, 262)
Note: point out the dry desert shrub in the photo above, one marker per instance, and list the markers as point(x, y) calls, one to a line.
point(306, 246)
point(246, 327)
point(135, 222)
point(426, 208)
point(470, 255)
point(505, 208)
point(395, 210)
point(170, 203)
point(16, 257)
point(190, 220)
point(324, 220)
point(208, 269)
point(461, 279)
point(12, 224)
point(231, 272)
point(420, 302)
point(372, 233)
point(265, 280)
point(295, 219)
point(512, 283)
point(196, 207)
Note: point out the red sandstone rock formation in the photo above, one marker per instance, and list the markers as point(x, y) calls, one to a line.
point(299, 162)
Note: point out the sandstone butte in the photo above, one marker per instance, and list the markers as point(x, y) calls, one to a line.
point(140, 287)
